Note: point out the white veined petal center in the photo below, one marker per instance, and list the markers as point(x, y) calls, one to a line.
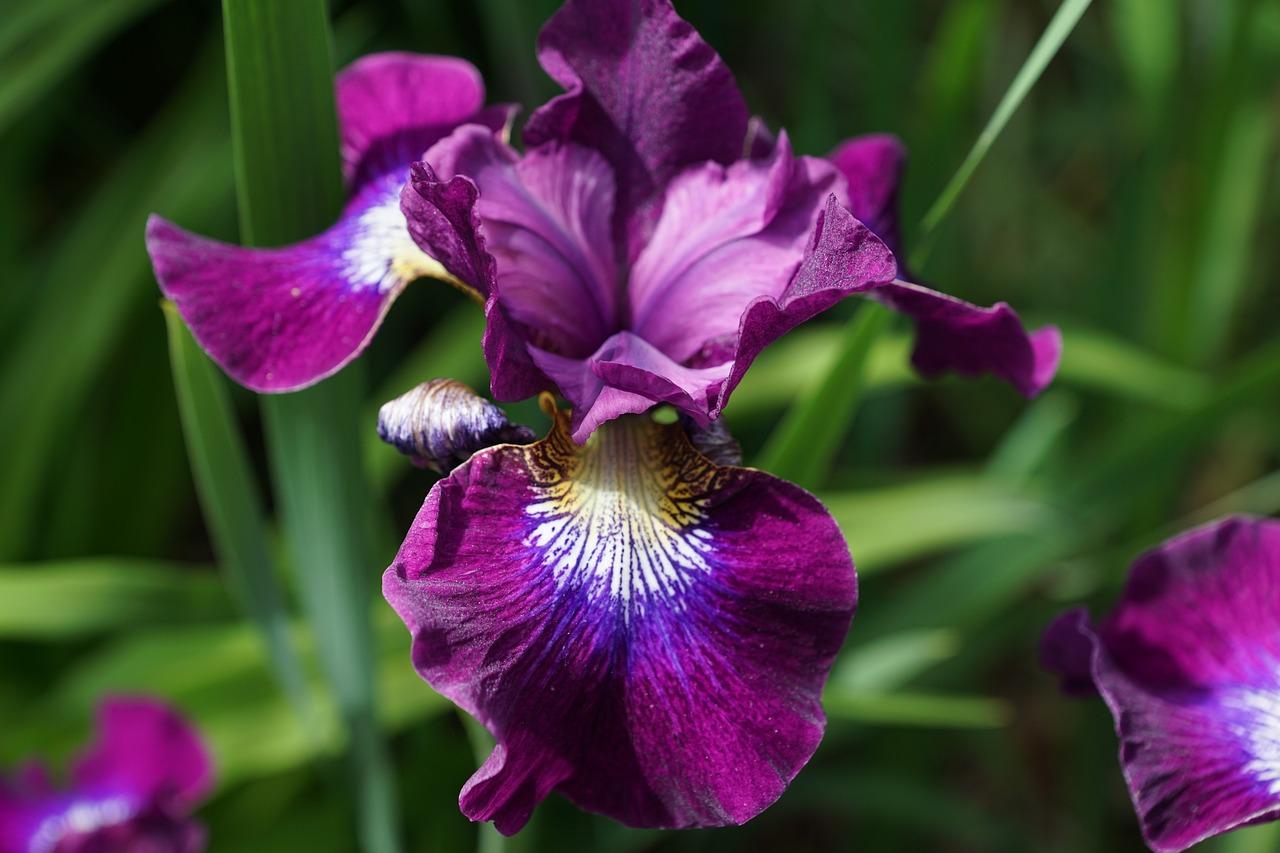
point(620, 519)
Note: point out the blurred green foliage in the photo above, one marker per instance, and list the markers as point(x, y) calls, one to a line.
point(1128, 201)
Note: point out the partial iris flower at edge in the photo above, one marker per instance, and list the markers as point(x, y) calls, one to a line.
point(132, 789)
point(633, 255)
point(280, 319)
point(1188, 662)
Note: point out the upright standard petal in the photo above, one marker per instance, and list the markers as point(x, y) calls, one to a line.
point(726, 236)
point(1189, 665)
point(545, 217)
point(131, 790)
point(640, 629)
point(281, 319)
point(644, 89)
point(441, 423)
point(531, 235)
point(392, 107)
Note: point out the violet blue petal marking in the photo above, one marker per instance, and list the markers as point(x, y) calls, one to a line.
point(281, 319)
point(132, 788)
point(643, 89)
point(441, 423)
point(1189, 664)
point(640, 629)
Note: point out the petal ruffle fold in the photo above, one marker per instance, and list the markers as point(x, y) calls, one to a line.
point(640, 629)
point(645, 90)
point(726, 236)
point(1189, 664)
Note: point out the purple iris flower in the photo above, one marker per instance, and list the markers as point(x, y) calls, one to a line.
point(132, 789)
point(644, 626)
point(1188, 662)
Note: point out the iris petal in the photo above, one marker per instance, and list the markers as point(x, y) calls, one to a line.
point(130, 790)
point(1189, 664)
point(954, 335)
point(872, 165)
point(643, 89)
point(281, 319)
point(393, 106)
point(640, 629)
point(726, 236)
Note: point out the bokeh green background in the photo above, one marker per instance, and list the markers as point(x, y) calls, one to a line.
point(1134, 200)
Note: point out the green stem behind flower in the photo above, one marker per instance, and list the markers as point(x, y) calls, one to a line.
point(284, 128)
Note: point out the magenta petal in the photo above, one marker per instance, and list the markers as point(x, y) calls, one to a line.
point(1189, 665)
point(145, 750)
point(281, 319)
point(394, 106)
point(641, 630)
point(954, 335)
point(726, 236)
point(1066, 649)
point(131, 790)
point(645, 90)
point(843, 258)
point(628, 375)
point(545, 223)
point(873, 165)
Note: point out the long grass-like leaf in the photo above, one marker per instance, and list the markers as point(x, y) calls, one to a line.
point(1063, 22)
point(889, 526)
point(232, 508)
point(98, 273)
point(915, 709)
point(284, 128)
point(78, 598)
